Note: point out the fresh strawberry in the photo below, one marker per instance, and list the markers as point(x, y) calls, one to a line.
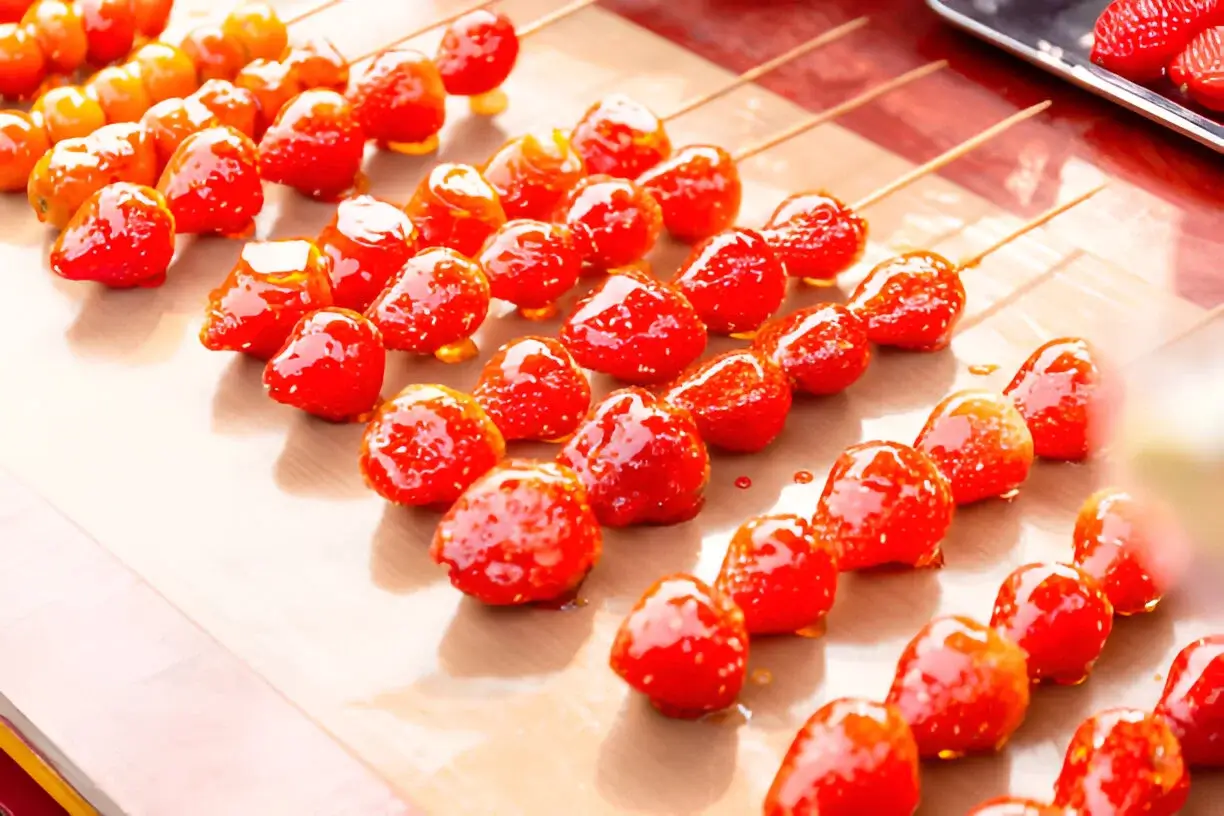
point(523, 532)
point(477, 52)
point(122, 236)
point(823, 349)
point(1136, 39)
point(635, 329)
point(368, 242)
point(739, 399)
point(1199, 69)
point(1193, 702)
point(816, 236)
point(684, 646)
point(779, 574)
point(618, 221)
point(531, 263)
point(212, 183)
point(399, 98)
point(331, 366)
point(734, 281)
point(315, 145)
point(962, 687)
point(642, 460)
point(455, 207)
point(439, 298)
point(532, 389)
point(699, 189)
point(912, 301)
point(620, 137)
point(852, 758)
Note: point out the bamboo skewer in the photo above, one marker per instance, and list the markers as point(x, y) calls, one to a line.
point(306, 14)
point(1019, 232)
point(425, 29)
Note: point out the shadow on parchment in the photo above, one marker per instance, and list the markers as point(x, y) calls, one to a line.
point(906, 380)
point(983, 533)
point(958, 786)
point(633, 559)
point(486, 641)
point(240, 405)
point(785, 676)
point(883, 603)
point(399, 550)
point(320, 459)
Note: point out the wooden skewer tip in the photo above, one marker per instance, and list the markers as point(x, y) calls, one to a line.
point(1040, 220)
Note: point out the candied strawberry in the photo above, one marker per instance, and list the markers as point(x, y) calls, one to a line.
point(1192, 703)
point(1058, 615)
point(1123, 762)
point(884, 503)
point(212, 184)
point(641, 459)
point(734, 281)
point(739, 399)
point(823, 349)
point(315, 145)
point(1199, 69)
point(233, 106)
point(477, 52)
point(331, 366)
point(122, 236)
point(272, 83)
point(427, 445)
point(523, 532)
point(318, 64)
point(532, 389)
point(171, 121)
point(618, 220)
point(816, 236)
point(1065, 396)
point(962, 687)
point(1137, 38)
point(684, 646)
point(273, 285)
point(912, 301)
point(110, 29)
point(455, 207)
point(533, 173)
point(399, 98)
point(531, 263)
point(699, 190)
point(779, 574)
point(634, 328)
point(1015, 806)
point(368, 242)
point(851, 758)
point(439, 298)
point(981, 444)
point(620, 137)
point(1135, 552)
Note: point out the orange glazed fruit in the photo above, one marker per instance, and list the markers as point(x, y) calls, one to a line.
point(22, 64)
point(167, 72)
point(368, 242)
point(823, 349)
point(455, 207)
point(60, 32)
point(233, 106)
point(620, 137)
point(110, 29)
point(699, 189)
point(121, 92)
point(531, 263)
point(962, 687)
point(315, 145)
point(273, 286)
point(215, 55)
point(912, 302)
point(1192, 704)
point(11, 10)
point(885, 503)
point(852, 758)
point(122, 236)
point(271, 83)
point(151, 16)
point(427, 445)
point(980, 443)
point(331, 366)
point(257, 29)
point(318, 64)
point(532, 389)
point(533, 173)
point(776, 571)
point(75, 169)
point(211, 183)
point(642, 460)
point(734, 281)
point(68, 112)
point(684, 646)
point(22, 144)
point(477, 52)
point(523, 532)
point(170, 122)
point(816, 236)
point(1123, 762)
point(739, 399)
point(399, 99)
point(618, 221)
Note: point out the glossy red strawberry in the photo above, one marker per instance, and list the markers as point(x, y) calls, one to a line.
point(816, 236)
point(532, 389)
point(618, 221)
point(1123, 762)
point(779, 574)
point(315, 145)
point(368, 242)
point(1135, 551)
point(684, 646)
point(739, 399)
point(1066, 397)
point(427, 445)
point(1058, 615)
point(734, 281)
point(912, 301)
point(852, 758)
point(523, 532)
point(439, 298)
point(642, 460)
point(634, 328)
point(1199, 69)
point(620, 137)
point(1016, 806)
point(273, 286)
point(212, 183)
point(699, 189)
point(170, 122)
point(477, 52)
point(1138, 38)
point(884, 503)
point(331, 366)
point(981, 444)
point(399, 99)
point(122, 236)
point(531, 263)
point(533, 173)
point(1193, 702)
point(823, 349)
point(962, 687)
point(455, 207)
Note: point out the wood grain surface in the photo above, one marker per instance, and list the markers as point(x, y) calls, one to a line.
point(205, 610)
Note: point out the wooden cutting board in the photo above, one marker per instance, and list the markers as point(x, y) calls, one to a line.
point(205, 611)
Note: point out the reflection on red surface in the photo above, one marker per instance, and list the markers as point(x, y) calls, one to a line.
point(20, 795)
point(981, 87)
